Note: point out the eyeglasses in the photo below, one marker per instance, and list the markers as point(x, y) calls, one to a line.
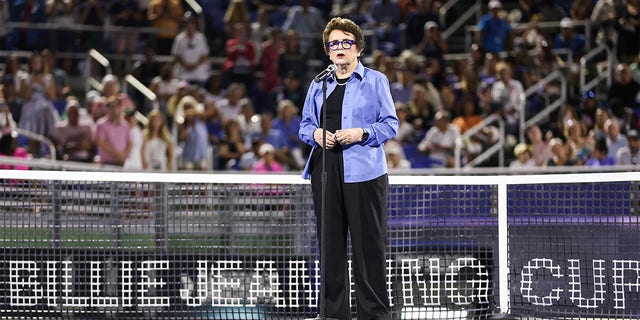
point(346, 44)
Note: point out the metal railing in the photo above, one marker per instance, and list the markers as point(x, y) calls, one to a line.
point(591, 55)
point(474, 9)
point(556, 75)
point(95, 55)
point(497, 146)
point(39, 138)
point(136, 84)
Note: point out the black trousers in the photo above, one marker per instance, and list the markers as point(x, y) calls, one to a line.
point(361, 210)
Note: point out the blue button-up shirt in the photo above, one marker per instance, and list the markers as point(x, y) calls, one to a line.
point(367, 104)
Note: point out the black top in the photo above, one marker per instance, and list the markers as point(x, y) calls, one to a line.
point(334, 109)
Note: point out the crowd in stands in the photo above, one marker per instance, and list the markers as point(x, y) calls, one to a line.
point(244, 114)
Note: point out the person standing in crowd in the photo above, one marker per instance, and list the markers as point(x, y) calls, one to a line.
point(360, 118)
point(192, 135)
point(126, 14)
point(603, 15)
point(91, 13)
point(433, 45)
point(240, 54)
point(38, 113)
point(61, 12)
point(292, 60)
point(628, 30)
point(567, 38)
point(306, 20)
point(268, 64)
point(165, 16)
point(113, 137)
point(191, 53)
point(505, 92)
point(425, 10)
point(494, 33)
point(157, 148)
point(24, 38)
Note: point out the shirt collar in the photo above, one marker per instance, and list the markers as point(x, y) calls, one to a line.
point(359, 72)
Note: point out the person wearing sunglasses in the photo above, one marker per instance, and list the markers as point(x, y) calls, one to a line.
point(360, 118)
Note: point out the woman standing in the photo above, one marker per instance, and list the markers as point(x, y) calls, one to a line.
point(157, 148)
point(360, 118)
point(38, 113)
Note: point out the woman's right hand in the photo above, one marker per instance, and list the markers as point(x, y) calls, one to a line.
point(331, 139)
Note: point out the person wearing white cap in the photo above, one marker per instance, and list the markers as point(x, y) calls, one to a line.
point(415, 20)
point(567, 38)
point(267, 162)
point(495, 4)
point(432, 44)
point(494, 32)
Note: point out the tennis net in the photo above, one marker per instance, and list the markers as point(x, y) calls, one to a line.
point(132, 245)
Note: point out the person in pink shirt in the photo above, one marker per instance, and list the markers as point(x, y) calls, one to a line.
point(267, 162)
point(112, 134)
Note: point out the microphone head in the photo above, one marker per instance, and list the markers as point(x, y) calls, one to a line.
point(325, 73)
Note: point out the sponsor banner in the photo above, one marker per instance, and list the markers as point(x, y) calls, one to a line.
point(599, 275)
point(109, 281)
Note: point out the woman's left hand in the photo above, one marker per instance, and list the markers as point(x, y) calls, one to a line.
point(349, 136)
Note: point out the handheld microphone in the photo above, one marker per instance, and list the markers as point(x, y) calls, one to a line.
point(325, 73)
